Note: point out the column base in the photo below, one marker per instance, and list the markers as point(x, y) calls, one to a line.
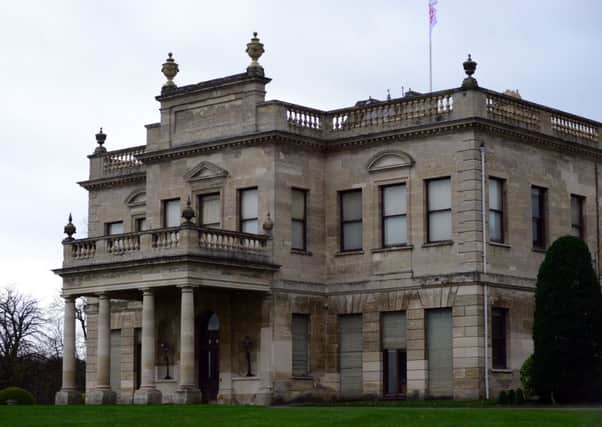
point(101, 396)
point(68, 397)
point(147, 396)
point(187, 395)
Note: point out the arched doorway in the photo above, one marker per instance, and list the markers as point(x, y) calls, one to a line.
point(208, 351)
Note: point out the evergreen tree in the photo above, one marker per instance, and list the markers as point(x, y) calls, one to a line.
point(567, 329)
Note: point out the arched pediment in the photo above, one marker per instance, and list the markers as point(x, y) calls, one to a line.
point(205, 170)
point(390, 160)
point(136, 198)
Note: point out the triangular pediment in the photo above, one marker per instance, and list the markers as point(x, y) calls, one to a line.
point(390, 160)
point(205, 170)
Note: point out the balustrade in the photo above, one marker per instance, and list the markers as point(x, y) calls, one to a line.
point(579, 129)
point(106, 248)
point(516, 113)
point(119, 161)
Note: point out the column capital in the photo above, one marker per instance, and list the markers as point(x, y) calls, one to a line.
point(68, 298)
point(146, 291)
point(185, 288)
point(102, 295)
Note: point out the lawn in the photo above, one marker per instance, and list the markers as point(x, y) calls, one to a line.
point(241, 416)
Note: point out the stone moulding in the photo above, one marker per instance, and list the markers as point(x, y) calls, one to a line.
point(98, 184)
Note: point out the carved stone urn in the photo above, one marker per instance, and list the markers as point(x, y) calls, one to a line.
point(255, 50)
point(170, 69)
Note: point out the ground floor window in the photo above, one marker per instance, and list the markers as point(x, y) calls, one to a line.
point(394, 353)
point(300, 326)
point(499, 320)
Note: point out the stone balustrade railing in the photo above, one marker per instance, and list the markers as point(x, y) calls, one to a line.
point(433, 108)
point(184, 240)
point(122, 161)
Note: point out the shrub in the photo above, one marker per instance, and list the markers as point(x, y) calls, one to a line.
point(511, 397)
point(502, 398)
point(567, 327)
point(526, 377)
point(520, 397)
point(20, 395)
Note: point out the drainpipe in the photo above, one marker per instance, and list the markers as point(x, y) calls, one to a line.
point(485, 290)
point(597, 218)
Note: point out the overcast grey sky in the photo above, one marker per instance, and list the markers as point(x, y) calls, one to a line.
point(68, 67)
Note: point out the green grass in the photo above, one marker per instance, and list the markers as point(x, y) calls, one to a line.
point(241, 416)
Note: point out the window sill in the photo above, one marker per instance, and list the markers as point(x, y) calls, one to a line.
point(345, 253)
point(302, 377)
point(393, 249)
point(540, 250)
point(441, 243)
point(501, 371)
point(301, 252)
point(499, 244)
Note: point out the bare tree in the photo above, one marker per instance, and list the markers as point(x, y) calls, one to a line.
point(21, 324)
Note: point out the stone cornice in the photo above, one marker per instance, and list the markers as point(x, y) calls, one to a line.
point(113, 181)
point(153, 261)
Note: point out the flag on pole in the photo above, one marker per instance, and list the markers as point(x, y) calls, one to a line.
point(432, 14)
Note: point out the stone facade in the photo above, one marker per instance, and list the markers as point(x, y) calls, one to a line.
point(234, 341)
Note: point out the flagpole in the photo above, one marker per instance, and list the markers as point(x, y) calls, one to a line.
point(430, 59)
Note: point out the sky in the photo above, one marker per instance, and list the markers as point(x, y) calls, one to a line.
point(69, 67)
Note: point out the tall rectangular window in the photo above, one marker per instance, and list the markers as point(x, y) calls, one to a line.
point(496, 210)
point(300, 332)
point(393, 338)
point(439, 209)
point(140, 224)
point(499, 318)
point(538, 217)
point(248, 210)
point(394, 215)
point(114, 228)
point(299, 219)
point(577, 222)
point(350, 203)
point(210, 210)
point(171, 213)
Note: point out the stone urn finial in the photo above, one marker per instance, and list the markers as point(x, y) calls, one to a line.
point(69, 229)
point(101, 137)
point(255, 50)
point(268, 224)
point(188, 212)
point(170, 69)
point(470, 67)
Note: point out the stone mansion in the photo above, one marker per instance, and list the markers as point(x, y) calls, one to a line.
point(257, 251)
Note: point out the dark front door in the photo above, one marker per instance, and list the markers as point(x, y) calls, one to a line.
point(209, 357)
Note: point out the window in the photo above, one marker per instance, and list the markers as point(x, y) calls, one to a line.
point(439, 210)
point(210, 210)
point(350, 203)
point(248, 211)
point(114, 228)
point(300, 328)
point(299, 220)
point(577, 228)
point(393, 329)
point(140, 224)
point(498, 337)
point(394, 215)
point(171, 213)
point(538, 225)
point(496, 210)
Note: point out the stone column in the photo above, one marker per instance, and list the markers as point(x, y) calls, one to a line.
point(68, 394)
point(147, 393)
point(187, 391)
point(265, 363)
point(102, 394)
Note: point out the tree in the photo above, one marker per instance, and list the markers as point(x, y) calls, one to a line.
point(21, 327)
point(567, 329)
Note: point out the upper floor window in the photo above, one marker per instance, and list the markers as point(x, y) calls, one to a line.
point(496, 210)
point(210, 210)
point(439, 209)
point(350, 203)
point(114, 228)
point(538, 217)
point(171, 213)
point(394, 215)
point(299, 219)
point(577, 222)
point(140, 223)
point(499, 320)
point(248, 210)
